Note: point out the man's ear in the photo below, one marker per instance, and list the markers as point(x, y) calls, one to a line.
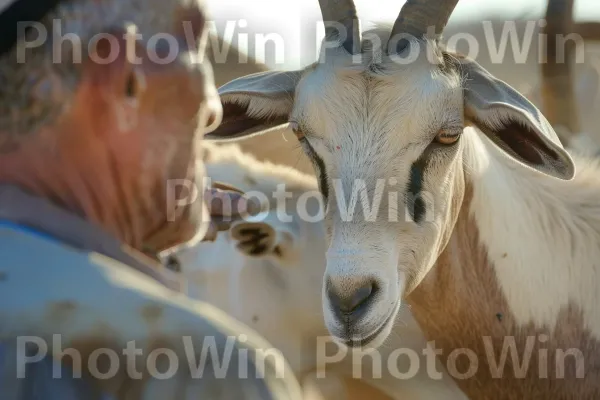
point(255, 104)
point(512, 122)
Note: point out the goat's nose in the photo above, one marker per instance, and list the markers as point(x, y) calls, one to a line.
point(351, 303)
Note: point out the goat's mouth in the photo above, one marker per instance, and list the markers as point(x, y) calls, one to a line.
point(378, 335)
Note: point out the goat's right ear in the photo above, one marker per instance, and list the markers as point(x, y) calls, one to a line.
point(255, 104)
point(513, 123)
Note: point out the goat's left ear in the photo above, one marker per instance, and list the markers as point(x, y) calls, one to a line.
point(513, 123)
point(255, 104)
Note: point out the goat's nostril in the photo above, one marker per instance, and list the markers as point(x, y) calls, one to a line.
point(349, 302)
point(357, 298)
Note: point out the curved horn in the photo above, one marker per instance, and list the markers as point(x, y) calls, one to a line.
point(342, 12)
point(417, 16)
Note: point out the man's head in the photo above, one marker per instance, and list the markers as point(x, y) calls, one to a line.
point(102, 106)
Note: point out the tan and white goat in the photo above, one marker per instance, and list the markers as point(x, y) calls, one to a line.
point(267, 273)
point(499, 244)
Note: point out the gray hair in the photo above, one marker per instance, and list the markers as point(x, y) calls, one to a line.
point(36, 91)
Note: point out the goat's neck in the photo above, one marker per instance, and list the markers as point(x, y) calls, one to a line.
point(514, 272)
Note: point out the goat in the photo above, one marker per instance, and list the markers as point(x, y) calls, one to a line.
point(267, 271)
point(499, 242)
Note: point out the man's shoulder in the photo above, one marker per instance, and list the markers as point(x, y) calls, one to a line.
point(24, 245)
point(40, 269)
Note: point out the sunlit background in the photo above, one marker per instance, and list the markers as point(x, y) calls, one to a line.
point(385, 10)
point(292, 19)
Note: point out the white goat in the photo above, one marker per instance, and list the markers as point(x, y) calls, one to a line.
point(501, 242)
point(267, 273)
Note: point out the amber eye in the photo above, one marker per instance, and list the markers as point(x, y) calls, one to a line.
point(448, 137)
point(296, 129)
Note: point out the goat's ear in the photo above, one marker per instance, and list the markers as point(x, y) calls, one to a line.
point(513, 123)
point(255, 104)
point(254, 239)
point(265, 236)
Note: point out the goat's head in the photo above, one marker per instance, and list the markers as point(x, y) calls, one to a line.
point(390, 121)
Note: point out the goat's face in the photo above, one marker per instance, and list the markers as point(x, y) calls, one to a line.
point(389, 134)
point(390, 131)
point(392, 134)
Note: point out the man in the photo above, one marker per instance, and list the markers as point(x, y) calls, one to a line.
point(98, 150)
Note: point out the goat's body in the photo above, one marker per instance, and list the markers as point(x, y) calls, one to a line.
point(521, 269)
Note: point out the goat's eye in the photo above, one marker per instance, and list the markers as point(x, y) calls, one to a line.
point(296, 129)
point(448, 136)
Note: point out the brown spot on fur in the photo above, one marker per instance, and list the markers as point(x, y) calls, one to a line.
point(453, 304)
point(151, 313)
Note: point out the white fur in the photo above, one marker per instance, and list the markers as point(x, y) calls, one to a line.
point(550, 230)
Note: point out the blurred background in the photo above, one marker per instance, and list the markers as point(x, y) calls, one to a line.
point(297, 29)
